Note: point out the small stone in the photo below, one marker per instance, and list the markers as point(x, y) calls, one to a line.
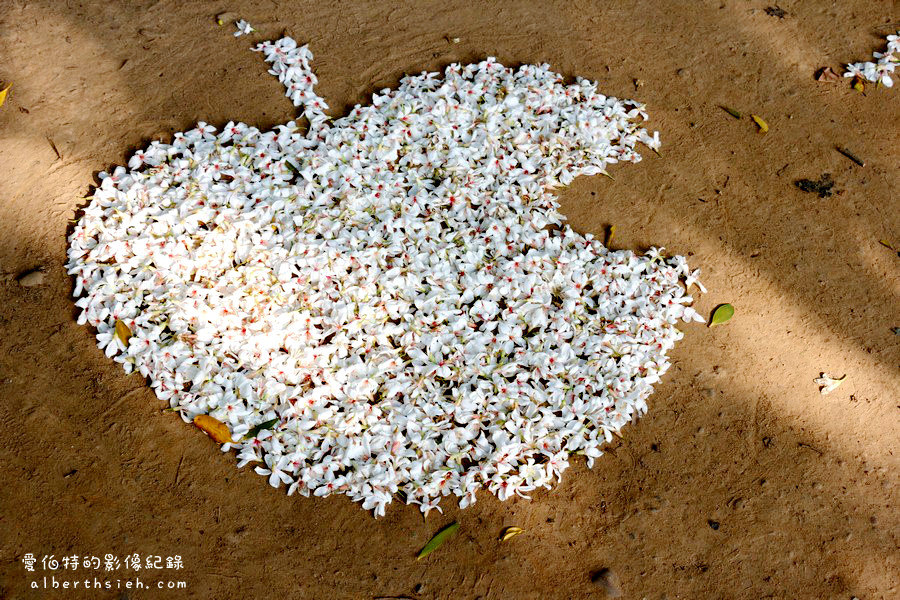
point(31, 278)
point(607, 580)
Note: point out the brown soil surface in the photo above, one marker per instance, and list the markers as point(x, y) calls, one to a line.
point(803, 487)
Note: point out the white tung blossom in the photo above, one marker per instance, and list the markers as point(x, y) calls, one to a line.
point(388, 305)
point(243, 28)
point(881, 70)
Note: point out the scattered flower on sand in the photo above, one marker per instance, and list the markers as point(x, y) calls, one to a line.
point(885, 63)
point(829, 383)
point(243, 28)
point(388, 305)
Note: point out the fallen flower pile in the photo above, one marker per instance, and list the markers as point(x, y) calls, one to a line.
point(388, 304)
point(881, 70)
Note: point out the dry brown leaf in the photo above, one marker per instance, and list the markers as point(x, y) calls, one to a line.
point(214, 428)
point(827, 74)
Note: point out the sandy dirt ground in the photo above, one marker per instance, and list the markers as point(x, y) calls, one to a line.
point(742, 481)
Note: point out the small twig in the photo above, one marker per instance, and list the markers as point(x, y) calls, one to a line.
point(851, 156)
point(52, 145)
point(178, 468)
point(805, 445)
point(889, 246)
point(731, 111)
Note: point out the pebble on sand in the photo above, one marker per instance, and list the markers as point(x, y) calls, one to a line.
point(607, 580)
point(31, 278)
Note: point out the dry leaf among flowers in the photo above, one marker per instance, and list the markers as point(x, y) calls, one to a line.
point(214, 428)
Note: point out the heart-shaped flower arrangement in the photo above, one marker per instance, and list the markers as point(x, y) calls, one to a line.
point(389, 304)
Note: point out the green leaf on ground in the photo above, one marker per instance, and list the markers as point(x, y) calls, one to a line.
point(721, 314)
point(439, 538)
point(262, 426)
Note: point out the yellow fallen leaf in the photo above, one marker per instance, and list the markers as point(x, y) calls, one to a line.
point(510, 532)
point(763, 126)
point(609, 235)
point(3, 94)
point(858, 85)
point(123, 333)
point(214, 428)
